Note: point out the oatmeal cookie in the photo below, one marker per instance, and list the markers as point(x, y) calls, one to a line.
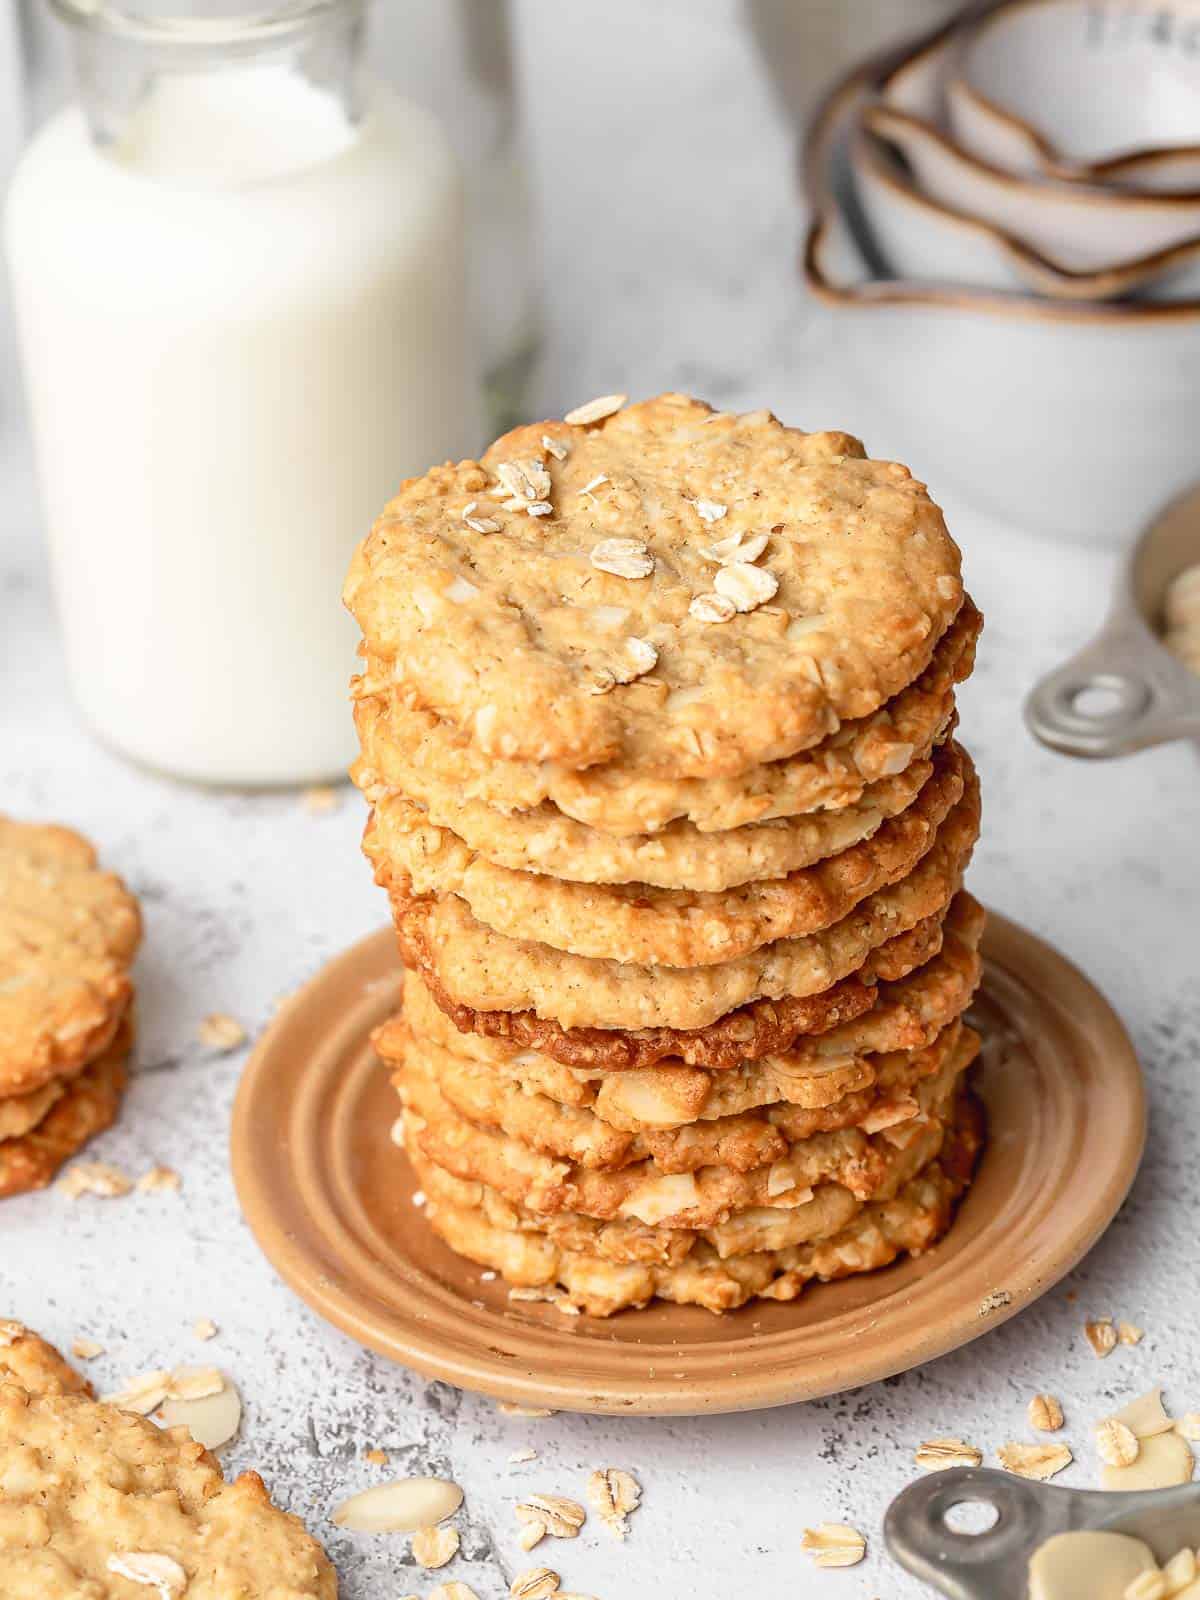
point(35, 1364)
point(634, 923)
point(68, 932)
point(88, 1105)
point(549, 606)
point(94, 1496)
point(487, 971)
point(414, 752)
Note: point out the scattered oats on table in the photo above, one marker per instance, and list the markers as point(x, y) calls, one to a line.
point(204, 1328)
point(834, 1544)
point(539, 1583)
point(1045, 1413)
point(160, 1180)
point(1037, 1461)
point(613, 1495)
point(937, 1454)
point(1101, 1335)
point(1116, 1444)
point(434, 1547)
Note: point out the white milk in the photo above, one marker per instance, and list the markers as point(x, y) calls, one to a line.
point(241, 328)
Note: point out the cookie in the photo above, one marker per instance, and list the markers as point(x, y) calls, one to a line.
point(93, 1496)
point(412, 751)
point(35, 1364)
point(634, 923)
point(68, 932)
point(745, 1034)
point(688, 1196)
point(548, 608)
point(814, 1072)
point(88, 1105)
point(487, 971)
point(833, 1235)
point(910, 1222)
point(19, 1113)
point(902, 1087)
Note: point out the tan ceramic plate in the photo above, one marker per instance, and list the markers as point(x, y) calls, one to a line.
point(329, 1198)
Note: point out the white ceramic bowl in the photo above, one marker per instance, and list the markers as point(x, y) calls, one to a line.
point(1079, 228)
point(1090, 90)
point(920, 238)
point(1075, 420)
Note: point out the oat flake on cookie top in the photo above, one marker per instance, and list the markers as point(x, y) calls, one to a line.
point(521, 635)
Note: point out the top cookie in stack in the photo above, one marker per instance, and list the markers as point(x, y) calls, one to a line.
point(656, 726)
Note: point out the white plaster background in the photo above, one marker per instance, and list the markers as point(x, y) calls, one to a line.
point(670, 231)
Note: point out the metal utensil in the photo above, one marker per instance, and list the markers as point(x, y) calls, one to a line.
point(995, 1565)
point(1125, 690)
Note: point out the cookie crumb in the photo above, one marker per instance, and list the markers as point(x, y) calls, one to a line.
point(94, 1177)
point(1129, 1333)
point(160, 1180)
point(377, 1457)
point(219, 1031)
point(320, 800)
point(86, 1349)
point(994, 1302)
point(204, 1328)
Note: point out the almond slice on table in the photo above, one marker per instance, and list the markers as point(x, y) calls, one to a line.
point(402, 1506)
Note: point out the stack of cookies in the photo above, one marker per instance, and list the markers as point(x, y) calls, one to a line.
point(657, 722)
point(68, 933)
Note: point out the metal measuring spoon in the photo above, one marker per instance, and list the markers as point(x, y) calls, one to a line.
point(1125, 690)
point(995, 1565)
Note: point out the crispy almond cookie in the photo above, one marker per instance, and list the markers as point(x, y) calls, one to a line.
point(68, 933)
point(634, 923)
point(412, 751)
point(867, 1237)
point(546, 606)
point(88, 1105)
point(482, 969)
point(21, 1112)
point(745, 1034)
point(815, 1072)
point(101, 1502)
point(679, 857)
point(688, 1196)
point(35, 1364)
point(905, 1085)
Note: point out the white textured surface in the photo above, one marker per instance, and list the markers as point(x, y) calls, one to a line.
point(671, 229)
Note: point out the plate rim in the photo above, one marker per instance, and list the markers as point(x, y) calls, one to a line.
point(483, 1369)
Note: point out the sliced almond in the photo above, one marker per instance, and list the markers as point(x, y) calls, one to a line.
point(595, 410)
point(195, 1383)
point(1146, 1586)
point(212, 1419)
point(624, 558)
point(747, 586)
point(834, 1544)
point(1115, 1443)
point(1188, 1426)
point(1145, 1416)
point(1045, 1413)
point(1180, 1570)
point(937, 1454)
point(561, 1518)
point(142, 1394)
point(434, 1547)
point(402, 1506)
point(155, 1571)
point(539, 1583)
point(510, 1408)
point(1037, 1461)
point(555, 447)
point(519, 1456)
point(482, 524)
point(1101, 1335)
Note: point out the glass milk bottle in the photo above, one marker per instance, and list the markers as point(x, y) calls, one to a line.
point(239, 280)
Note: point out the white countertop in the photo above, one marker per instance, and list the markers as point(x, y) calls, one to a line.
point(671, 231)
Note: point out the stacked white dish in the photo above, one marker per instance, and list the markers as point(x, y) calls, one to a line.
point(1006, 219)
